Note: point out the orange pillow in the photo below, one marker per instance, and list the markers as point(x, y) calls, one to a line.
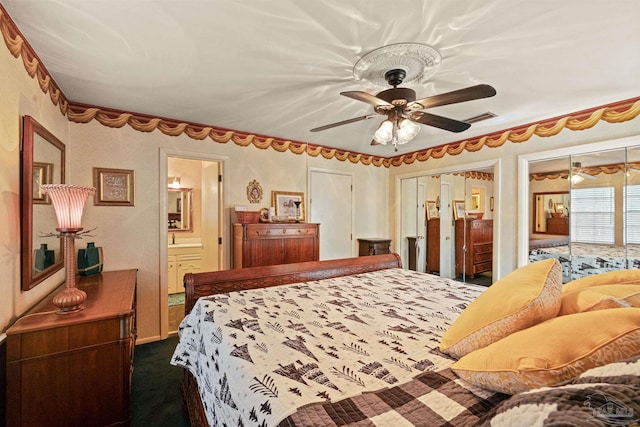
point(600, 298)
point(520, 299)
point(553, 351)
point(616, 277)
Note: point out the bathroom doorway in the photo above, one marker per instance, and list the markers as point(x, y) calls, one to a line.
point(192, 228)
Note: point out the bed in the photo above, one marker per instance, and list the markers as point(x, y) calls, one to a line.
point(349, 350)
point(586, 258)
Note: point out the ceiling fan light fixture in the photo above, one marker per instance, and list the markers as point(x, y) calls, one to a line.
point(576, 179)
point(384, 134)
point(407, 131)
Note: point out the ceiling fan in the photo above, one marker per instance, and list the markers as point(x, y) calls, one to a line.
point(578, 174)
point(403, 110)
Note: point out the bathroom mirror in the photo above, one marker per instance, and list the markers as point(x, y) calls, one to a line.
point(179, 209)
point(42, 162)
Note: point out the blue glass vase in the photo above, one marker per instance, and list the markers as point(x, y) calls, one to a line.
point(90, 260)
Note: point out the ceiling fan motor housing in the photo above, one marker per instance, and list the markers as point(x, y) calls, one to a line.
point(395, 77)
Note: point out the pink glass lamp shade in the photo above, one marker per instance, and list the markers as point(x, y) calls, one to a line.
point(68, 202)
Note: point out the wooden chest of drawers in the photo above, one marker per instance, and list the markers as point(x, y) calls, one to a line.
point(261, 244)
point(474, 246)
point(558, 226)
point(75, 369)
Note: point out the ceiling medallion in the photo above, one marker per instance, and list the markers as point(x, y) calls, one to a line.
point(418, 61)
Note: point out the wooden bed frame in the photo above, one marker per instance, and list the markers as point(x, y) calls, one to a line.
point(204, 284)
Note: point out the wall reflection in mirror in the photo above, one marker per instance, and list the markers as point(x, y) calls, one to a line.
point(42, 162)
point(586, 212)
point(447, 224)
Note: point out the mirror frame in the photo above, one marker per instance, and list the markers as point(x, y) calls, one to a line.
point(31, 128)
point(188, 194)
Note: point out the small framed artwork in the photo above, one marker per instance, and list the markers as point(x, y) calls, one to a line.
point(254, 192)
point(432, 209)
point(114, 187)
point(42, 174)
point(289, 205)
point(559, 208)
point(458, 209)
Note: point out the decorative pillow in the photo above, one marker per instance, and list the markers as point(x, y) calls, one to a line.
point(520, 299)
point(606, 395)
point(600, 298)
point(616, 277)
point(553, 351)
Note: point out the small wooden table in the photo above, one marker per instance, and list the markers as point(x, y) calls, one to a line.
point(374, 246)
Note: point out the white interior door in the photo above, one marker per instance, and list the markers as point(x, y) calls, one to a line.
point(331, 206)
point(421, 229)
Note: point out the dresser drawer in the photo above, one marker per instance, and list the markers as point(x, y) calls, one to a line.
point(483, 248)
point(483, 257)
point(485, 266)
point(281, 231)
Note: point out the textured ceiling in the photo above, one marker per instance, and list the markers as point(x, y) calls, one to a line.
point(276, 67)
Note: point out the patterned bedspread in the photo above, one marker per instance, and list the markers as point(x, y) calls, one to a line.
point(346, 348)
point(589, 259)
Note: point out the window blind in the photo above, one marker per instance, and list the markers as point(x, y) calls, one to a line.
point(593, 215)
point(632, 213)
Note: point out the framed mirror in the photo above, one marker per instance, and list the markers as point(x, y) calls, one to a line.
point(179, 209)
point(550, 213)
point(42, 162)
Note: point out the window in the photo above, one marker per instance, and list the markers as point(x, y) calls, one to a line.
point(632, 213)
point(593, 215)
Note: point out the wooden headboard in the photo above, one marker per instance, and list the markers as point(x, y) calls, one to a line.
point(210, 283)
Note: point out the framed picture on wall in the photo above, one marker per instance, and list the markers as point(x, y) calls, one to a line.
point(114, 187)
point(289, 205)
point(458, 209)
point(432, 209)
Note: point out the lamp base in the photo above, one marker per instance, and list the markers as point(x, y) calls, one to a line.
point(70, 300)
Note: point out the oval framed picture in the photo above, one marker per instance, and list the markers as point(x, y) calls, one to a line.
point(254, 192)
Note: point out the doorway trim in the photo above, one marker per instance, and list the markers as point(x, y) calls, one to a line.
point(163, 233)
point(496, 164)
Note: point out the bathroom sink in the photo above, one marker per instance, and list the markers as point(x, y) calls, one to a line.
point(185, 245)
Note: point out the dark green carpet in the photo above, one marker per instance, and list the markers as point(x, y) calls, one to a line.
point(155, 387)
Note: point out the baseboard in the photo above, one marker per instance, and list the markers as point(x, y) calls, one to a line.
point(148, 339)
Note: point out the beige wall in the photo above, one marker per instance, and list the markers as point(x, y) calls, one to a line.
point(19, 95)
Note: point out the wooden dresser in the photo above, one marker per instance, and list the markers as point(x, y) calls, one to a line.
point(374, 247)
point(262, 244)
point(75, 369)
point(433, 245)
point(558, 225)
point(478, 238)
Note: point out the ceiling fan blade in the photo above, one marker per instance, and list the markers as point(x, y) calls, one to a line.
point(374, 142)
point(461, 95)
point(366, 97)
point(344, 122)
point(439, 121)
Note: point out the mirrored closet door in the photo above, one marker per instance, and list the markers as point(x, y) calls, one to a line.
point(586, 211)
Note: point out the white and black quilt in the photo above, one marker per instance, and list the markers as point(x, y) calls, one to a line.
point(258, 355)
